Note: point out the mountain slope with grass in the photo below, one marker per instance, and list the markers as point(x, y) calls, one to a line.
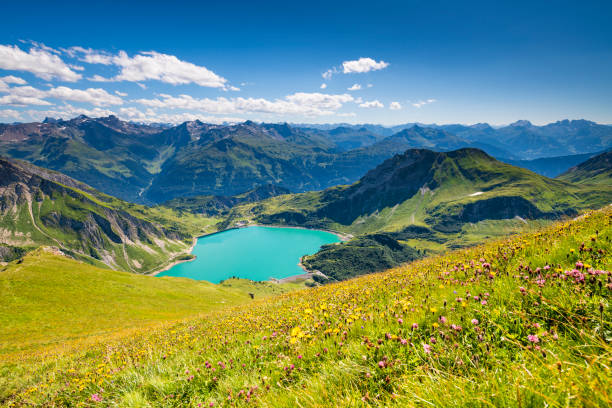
point(430, 201)
point(49, 301)
point(518, 322)
point(440, 191)
point(596, 170)
point(43, 207)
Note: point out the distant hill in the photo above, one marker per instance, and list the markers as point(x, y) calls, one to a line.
point(596, 170)
point(43, 207)
point(527, 141)
point(217, 205)
point(550, 166)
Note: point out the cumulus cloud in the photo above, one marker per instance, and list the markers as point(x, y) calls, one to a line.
point(10, 79)
point(323, 85)
point(151, 65)
point(363, 65)
point(327, 75)
point(372, 104)
point(94, 96)
point(301, 103)
point(151, 116)
point(395, 106)
point(121, 93)
point(358, 66)
point(355, 87)
point(18, 100)
point(10, 114)
point(27, 95)
point(420, 104)
point(38, 61)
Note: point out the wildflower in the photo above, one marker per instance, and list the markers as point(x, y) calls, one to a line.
point(400, 321)
point(475, 322)
point(442, 319)
point(96, 398)
point(415, 326)
point(426, 348)
point(533, 338)
point(483, 302)
point(381, 364)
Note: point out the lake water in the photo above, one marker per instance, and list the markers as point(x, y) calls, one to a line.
point(256, 253)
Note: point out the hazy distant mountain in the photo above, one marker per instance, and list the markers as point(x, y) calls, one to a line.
point(596, 170)
point(550, 166)
point(528, 141)
point(155, 163)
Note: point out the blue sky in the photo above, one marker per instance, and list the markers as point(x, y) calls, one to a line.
point(388, 62)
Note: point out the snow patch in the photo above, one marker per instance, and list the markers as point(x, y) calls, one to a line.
point(476, 194)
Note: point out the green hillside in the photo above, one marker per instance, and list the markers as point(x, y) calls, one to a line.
point(519, 322)
point(43, 207)
point(51, 302)
point(596, 170)
point(454, 199)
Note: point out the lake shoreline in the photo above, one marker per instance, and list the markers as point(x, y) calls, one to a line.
point(341, 236)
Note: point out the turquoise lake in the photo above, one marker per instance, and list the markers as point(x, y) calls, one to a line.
point(256, 253)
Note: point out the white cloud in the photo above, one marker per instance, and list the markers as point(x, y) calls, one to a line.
point(323, 85)
point(151, 65)
point(18, 100)
point(395, 106)
point(10, 114)
point(370, 85)
point(27, 95)
point(363, 65)
point(150, 116)
point(327, 75)
point(301, 103)
point(39, 61)
point(99, 78)
point(94, 96)
point(355, 87)
point(90, 56)
point(10, 79)
point(419, 104)
point(121, 93)
point(67, 111)
point(372, 104)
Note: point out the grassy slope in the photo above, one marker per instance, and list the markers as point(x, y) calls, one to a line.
point(457, 179)
point(443, 331)
point(75, 202)
point(49, 301)
point(597, 170)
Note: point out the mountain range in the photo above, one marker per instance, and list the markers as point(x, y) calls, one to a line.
point(155, 163)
